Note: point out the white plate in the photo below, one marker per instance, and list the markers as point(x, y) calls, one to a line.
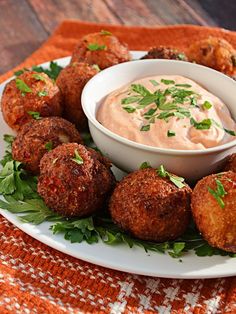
point(120, 257)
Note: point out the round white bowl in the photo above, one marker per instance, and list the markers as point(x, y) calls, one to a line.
point(128, 155)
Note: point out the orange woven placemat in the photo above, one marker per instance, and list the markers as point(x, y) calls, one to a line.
point(37, 279)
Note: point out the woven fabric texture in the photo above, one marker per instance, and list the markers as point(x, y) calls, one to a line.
point(37, 279)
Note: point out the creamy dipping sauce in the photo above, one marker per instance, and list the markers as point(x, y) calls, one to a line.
point(167, 111)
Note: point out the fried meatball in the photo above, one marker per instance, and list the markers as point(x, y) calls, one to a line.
point(71, 82)
point(165, 53)
point(31, 91)
point(36, 137)
point(214, 209)
point(150, 207)
point(215, 53)
point(74, 180)
point(102, 49)
point(230, 163)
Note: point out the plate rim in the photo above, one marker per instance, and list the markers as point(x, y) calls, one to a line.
point(55, 244)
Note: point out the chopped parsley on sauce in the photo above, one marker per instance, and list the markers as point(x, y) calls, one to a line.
point(207, 105)
point(174, 101)
point(171, 133)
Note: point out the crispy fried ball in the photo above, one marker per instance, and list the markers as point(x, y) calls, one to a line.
point(102, 49)
point(214, 219)
point(71, 82)
point(230, 163)
point(150, 207)
point(37, 137)
point(165, 53)
point(74, 180)
point(31, 91)
point(215, 53)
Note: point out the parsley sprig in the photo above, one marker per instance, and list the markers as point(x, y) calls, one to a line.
point(35, 211)
point(78, 159)
point(96, 47)
point(21, 198)
point(164, 108)
point(23, 87)
point(219, 193)
point(178, 181)
point(35, 115)
point(52, 72)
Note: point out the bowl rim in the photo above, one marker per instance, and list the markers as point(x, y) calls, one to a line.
point(170, 151)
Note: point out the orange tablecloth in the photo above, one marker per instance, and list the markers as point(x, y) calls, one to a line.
point(37, 279)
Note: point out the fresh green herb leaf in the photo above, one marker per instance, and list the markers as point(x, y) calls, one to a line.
point(140, 89)
point(130, 100)
point(104, 32)
point(180, 95)
point(183, 111)
point(9, 139)
point(23, 87)
point(202, 125)
point(218, 193)
point(162, 172)
point(34, 114)
point(160, 98)
point(193, 101)
point(147, 100)
point(178, 181)
point(231, 132)
point(78, 159)
point(206, 105)
point(154, 82)
point(96, 67)
point(178, 248)
point(170, 133)
point(77, 231)
point(165, 115)
point(39, 77)
point(150, 113)
point(8, 155)
point(35, 211)
point(181, 56)
point(129, 109)
point(145, 165)
point(49, 146)
point(145, 127)
point(14, 181)
point(19, 72)
point(52, 72)
point(96, 47)
point(183, 85)
point(42, 93)
point(170, 90)
point(167, 82)
point(168, 106)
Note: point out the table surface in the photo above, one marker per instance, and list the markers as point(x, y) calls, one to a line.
point(25, 24)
